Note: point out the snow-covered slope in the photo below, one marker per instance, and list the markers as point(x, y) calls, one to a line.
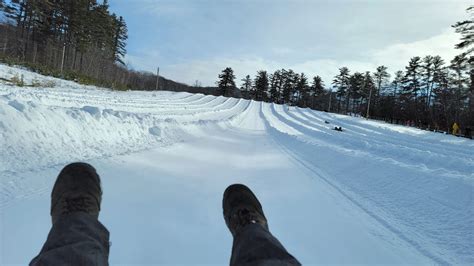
point(375, 193)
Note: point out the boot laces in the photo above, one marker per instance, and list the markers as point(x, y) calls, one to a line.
point(246, 216)
point(76, 204)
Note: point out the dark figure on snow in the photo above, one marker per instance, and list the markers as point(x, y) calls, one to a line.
point(78, 238)
point(467, 133)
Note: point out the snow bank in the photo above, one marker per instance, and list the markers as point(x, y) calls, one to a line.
point(35, 135)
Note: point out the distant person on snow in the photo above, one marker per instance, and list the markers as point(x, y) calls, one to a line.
point(78, 238)
point(455, 128)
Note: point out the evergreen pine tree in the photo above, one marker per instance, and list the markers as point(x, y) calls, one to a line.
point(397, 82)
point(444, 101)
point(226, 82)
point(119, 39)
point(289, 82)
point(317, 92)
point(276, 81)
point(437, 73)
point(261, 85)
point(356, 84)
point(427, 78)
point(317, 86)
point(459, 81)
point(302, 91)
point(411, 87)
point(341, 83)
point(246, 86)
point(381, 77)
point(466, 29)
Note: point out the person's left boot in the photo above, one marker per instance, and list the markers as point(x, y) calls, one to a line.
point(241, 208)
point(77, 189)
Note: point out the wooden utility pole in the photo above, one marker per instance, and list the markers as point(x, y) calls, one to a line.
point(157, 77)
point(62, 58)
point(368, 103)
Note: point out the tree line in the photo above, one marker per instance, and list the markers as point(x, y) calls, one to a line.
point(82, 40)
point(79, 40)
point(429, 93)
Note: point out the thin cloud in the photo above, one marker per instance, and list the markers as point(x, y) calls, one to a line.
point(395, 57)
point(195, 40)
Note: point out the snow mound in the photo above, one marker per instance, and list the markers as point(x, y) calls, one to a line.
point(155, 131)
point(17, 105)
point(94, 111)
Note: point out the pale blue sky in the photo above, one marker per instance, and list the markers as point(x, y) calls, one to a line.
point(195, 39)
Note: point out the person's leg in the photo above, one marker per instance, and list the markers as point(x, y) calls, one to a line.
point(76, 237)
point(253, 243)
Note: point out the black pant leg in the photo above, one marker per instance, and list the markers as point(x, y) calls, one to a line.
point(255, 245)
point(75, 239)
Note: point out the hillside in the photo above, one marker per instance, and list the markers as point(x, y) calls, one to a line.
point(374, 193)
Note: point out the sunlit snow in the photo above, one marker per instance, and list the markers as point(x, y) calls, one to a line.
point(375, 193)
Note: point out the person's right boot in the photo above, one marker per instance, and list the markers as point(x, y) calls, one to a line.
point(77, 189)
point(241, 207)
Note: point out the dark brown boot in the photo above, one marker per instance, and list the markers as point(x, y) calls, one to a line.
point(77, 189)
point(241, 207)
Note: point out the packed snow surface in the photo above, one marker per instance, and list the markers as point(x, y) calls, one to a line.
point(375, 193)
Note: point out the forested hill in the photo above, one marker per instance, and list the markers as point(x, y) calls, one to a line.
point(78, 40)
point(84, 41)
point(431, 93)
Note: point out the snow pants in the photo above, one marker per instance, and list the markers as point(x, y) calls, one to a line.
point(79, 239)
point(75, 239)
point(256, 246)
